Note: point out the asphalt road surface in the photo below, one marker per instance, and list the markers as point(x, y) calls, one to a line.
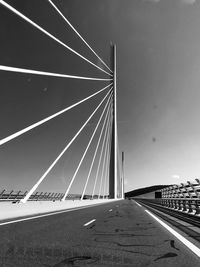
point(115, 234)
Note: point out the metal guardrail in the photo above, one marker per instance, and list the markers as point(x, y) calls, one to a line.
point(183, 190)
point(15, 196)
point(185, 205)
point(168, 214)
point(184, 197)
point(38, 196)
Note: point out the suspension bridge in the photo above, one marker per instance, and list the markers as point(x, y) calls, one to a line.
point(90, 224)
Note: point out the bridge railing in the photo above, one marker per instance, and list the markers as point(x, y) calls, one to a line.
point(184, 205)
point(188, 205)
point(184, 197)
point(13, 195)
point(191, 189)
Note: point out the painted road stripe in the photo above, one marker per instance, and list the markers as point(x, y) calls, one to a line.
point(48, 214)
point(138, 204)
point(110, 210)
point(86, 224)
point(186, 242)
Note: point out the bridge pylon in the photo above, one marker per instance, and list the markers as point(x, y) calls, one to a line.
point(113, 159)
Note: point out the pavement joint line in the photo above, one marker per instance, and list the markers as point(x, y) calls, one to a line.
point(186, 242)
point(49, 214)
point(86, 224)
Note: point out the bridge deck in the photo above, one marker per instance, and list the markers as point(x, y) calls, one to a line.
point(115, 234)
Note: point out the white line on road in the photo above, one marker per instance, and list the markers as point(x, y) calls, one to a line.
point(86, 224)
point(186, 242)
point(110, 210)
point(138, 204)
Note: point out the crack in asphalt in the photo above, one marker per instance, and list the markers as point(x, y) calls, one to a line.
point(113, 234)
point(122, 245)
point(74, 260)
point(133, 229)
point(171, 242)
point(167, 255)
point(159, 256)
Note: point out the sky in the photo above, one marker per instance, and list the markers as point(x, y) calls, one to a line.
point(158, 89)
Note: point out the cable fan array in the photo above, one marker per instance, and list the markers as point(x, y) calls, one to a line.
point(105, 119)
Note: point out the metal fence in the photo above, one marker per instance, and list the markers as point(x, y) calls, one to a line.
point(6, 195)
point(184, 197)
point(185, 205)
point(190, 206)
point(11, 195)
point(184, 190)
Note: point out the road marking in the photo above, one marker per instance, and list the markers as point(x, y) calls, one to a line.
point(48, 214)
point(86, 224)
point(110, 210)
point(138, 204)
point(186, 242)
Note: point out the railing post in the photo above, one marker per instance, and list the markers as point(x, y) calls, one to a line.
point(10, 194)
point(17, 194)
point(197, 207)
point(33, 197)
point(39, 196)
point(54, 197)
point(184, 205)
point(122, 175)
point(180, 204)
point(44, 196)
point(1, 194)
point(190, 210)
point(48, 196)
